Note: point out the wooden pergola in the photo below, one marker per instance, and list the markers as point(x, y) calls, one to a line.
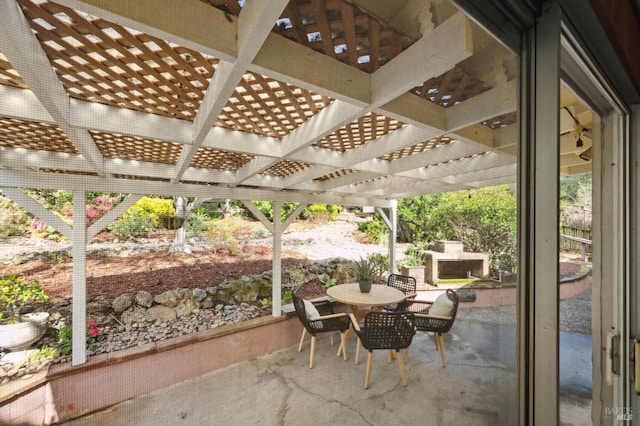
point(350, 102)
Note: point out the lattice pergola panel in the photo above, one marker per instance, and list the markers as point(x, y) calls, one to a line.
point(450, 88)
point(68, 172)
point(335, 174)
point(269, 107)
point(32, 135)
point(466, 157)
point(144, 178)
point(417, 148)
point(208, 158)
point(501, 120)
point(359, 132)
point(136, 148)
point(285, 168)
point(341, 30)
point(8, 75)
point(106, 63)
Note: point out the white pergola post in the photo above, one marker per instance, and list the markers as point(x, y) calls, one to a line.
point(276, 228)
point(391, 221)
point(276, 305)
point(79, 292)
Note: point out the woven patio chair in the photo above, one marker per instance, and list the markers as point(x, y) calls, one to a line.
point(405, 284)
point(315, 323)
point(437, 317)
point(392, 331)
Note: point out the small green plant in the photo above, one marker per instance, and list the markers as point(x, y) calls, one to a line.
point(414, 256)
point(363, 269)
point(45, 352)
point(94, 334)
point(15, 292)
point(64, 340)
point(257, 232)
point(329, 283)
point(132, 224)
point(380, 263)
point(265, 303)
point(198, 224)
point(287, 296)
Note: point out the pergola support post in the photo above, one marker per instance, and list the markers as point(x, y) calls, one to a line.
point(276, 228)
point(79, 291)
point(391, 220)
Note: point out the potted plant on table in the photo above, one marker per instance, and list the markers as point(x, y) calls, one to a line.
point(364, 271)
point(18, 331)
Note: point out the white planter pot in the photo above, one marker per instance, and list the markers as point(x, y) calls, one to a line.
point(19, 336)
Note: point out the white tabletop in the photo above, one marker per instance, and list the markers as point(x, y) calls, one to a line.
point(380, 295)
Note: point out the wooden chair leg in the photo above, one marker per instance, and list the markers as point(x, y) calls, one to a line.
point(403, 376)
point(442, 355)
point(343, 345)
point(368, 372)
point(304, 331)
point(331, 336)
point(358, 351)
point(389, 356)
point(313, 349)
point(435, 337)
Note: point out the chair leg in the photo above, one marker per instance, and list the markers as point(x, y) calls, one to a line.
point(331, 337)
point(358, 351)
point(343, 346)
point(406, 354)
point(304, 331)
point(313, 349)
point(403, 376)
point(435, 337)
point(442, 355)
point(389, 356)
point(368, 372)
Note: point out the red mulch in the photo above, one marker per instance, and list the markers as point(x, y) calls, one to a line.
point(155, 272)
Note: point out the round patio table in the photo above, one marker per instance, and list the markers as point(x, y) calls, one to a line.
point(360, 303)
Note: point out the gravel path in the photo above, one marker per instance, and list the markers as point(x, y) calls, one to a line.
point(575, 314)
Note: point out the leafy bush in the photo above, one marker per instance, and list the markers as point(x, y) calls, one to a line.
point(197, 224)
point(15, 292)
point(132, 224)
point(376, 231)
point(380, 263)
point(311, 212)
point(14, 220)
point(221, 234)
point(484, 220)
point(155, 208)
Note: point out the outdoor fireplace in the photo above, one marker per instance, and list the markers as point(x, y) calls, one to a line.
point(450, 261)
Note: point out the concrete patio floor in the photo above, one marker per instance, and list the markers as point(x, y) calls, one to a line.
point(476, 388)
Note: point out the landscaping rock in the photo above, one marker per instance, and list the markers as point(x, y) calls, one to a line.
point(123, 302)
point(160, 313)
point(144, 298)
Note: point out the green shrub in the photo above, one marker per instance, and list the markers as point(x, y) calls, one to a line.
point(155, 208)
point(484, 220)
point(132, 224)
point(221, 234)
point(14, 220)
point(197, 224)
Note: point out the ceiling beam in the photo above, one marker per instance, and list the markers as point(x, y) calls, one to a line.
point(254, 26)
point(21, 47)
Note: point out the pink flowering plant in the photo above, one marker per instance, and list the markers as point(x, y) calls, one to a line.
point(94, 334)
